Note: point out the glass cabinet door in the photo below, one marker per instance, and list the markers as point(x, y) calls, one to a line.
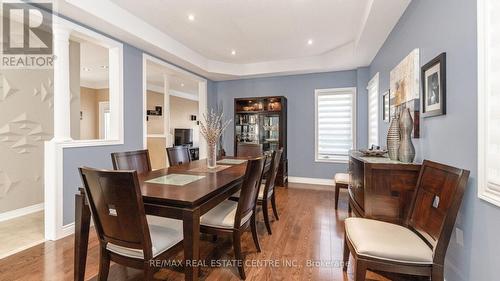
point(269, 132)
point(247, 128)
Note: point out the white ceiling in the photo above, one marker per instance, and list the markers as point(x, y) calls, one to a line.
point(177, 81)
point(258, 30)
point(269, 37)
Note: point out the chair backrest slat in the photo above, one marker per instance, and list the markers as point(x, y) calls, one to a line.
point(249, 150)
point(273, 171)
point(437, 199)
point(132, 160)
point(249, 188)
point(117, 208)
point(178, 155)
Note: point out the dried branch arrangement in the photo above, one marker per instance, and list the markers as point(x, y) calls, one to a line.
point(213, 126)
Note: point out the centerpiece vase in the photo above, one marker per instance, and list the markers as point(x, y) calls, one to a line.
point(406, 152)
point(212, 155)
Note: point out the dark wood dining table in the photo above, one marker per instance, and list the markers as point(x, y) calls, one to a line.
point(187, 203)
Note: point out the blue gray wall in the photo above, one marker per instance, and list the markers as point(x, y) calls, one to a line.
point(99, 157)
point(299, 90)
point(449, 26)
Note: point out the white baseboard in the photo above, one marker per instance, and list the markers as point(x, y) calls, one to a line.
point(321, 184)
point(67, 230)
point(21, 212)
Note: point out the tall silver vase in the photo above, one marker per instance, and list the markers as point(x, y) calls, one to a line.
point(406, 152)
point(393, 138)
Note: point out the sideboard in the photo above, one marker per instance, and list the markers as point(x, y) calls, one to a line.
point(381, 188)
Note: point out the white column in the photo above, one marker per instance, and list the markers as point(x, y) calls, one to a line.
point(166, 110)
point(202, 109)
point(62, 95)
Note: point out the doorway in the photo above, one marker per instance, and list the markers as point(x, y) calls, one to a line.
point(174, 101)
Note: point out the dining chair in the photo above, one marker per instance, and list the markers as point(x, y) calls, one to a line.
point(419, 246)
point(341, 180)
point(178, 155)
point(268, 188)
point(249, 150)
point(132, 160)
point(230, 217)
point(126, 235)
point(266, 191)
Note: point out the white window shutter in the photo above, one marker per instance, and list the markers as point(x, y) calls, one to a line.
point(489, 100)
point(334, 124)
point(373, 111)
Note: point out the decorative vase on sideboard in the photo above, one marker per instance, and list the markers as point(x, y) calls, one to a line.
point(393, 138)
point(406, 152)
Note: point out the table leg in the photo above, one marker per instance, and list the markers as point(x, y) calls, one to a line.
point(191, 228)
point(82, 225)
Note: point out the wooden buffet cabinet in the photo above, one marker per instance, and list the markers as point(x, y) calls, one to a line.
point(381, 188)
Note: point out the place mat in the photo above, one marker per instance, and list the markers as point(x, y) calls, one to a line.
point(231, 161)
point(175, 179)
point(205, 169)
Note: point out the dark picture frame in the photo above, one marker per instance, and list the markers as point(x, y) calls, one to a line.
point(386, 106)
point(434, 87)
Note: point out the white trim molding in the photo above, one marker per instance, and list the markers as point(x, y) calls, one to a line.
point(21, 212)
point(54, 166)
point(319, 184)
point(488, 145)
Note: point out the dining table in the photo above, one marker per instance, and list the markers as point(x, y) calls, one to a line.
point(186, 202)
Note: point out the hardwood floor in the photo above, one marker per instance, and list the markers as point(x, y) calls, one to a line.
point(309, 230)
point(21, 233)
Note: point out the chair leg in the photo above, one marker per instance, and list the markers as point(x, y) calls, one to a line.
point(437, 273)
point(265, 212)
point(359, 271)
point(237, 253)
point(346, 255)
point(273, 204)
point(104, 265)
point(337, 190)
point(253, 226)
point(349, 209)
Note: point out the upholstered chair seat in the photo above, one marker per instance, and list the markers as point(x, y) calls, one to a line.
point(165, 233)
point(341, 178)
point(223, 215)
point(261, 193)
point(386, 241)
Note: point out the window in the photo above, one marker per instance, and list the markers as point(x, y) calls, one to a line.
point(373, 111)
point(489, 101)
point(335, 124)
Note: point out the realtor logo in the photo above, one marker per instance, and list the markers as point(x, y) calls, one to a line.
point(27, 35)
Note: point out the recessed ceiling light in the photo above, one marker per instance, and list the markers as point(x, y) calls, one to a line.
point(233, 52)
point(85, 69)
point(309, 42)
point(191, 17)
point(182, 84)
point(104, 67)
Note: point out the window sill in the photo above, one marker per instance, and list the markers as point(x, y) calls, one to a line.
point(332, 161)
point(489, 195)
